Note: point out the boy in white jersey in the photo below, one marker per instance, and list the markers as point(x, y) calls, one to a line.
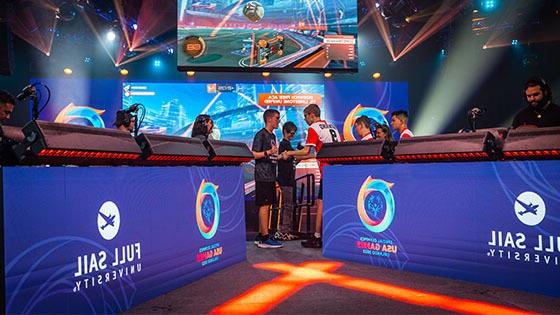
point(319, 132)
point(399, 122)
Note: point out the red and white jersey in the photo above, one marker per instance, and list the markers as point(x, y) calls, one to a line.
point(406, 134)
point(367, 137)
point(321, 132)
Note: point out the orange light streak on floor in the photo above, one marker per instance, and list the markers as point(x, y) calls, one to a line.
point(268, 295)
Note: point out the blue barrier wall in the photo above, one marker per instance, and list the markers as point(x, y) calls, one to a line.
point(489, 222)
point(103, 239)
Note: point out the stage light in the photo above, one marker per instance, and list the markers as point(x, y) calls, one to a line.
point(327, 75)
point(484, 47)
point(157, 63)
point(443, 52)
point(190, 73)
point(489, 5)
point(87, 60)
point(376, 76)
point(266, 74)
point(170, 50)
point(447, 95)
point(124, 72)
point(515, 42)
point(67, 71)
point(135, 26)
point(111, 36)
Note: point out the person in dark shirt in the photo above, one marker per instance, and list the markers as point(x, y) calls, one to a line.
point(7, 102)
point(202, 127)
point(265, 152)
point(287, 181)
point(540, 111)
point(125, 121)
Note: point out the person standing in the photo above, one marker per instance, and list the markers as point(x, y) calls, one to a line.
point(265, 153)
point(319, 132)
point(287, 181)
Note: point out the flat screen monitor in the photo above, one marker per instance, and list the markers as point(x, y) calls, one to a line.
point(267, 35)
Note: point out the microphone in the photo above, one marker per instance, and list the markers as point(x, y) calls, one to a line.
point(476, 112)
point(26, 92)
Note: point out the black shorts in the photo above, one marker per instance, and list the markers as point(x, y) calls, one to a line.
point(320, 196)
point(265, 193)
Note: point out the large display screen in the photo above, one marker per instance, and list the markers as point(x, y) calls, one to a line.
point(236, 108)
point(271, 35)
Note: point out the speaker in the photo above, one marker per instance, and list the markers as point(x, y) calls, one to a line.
point(532, 143)
point(60, 144)
point(170, 150)
point(228, 152)
point(473, 146)
point(6, 42)
point(355, 152)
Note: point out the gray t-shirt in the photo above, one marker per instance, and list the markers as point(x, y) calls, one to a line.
point(265, 168)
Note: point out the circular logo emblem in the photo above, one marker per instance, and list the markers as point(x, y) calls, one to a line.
point(207, 209)
point(375, 204)
point(108, 220)
point(194, 46)
point(530, 208)
point(375, 115)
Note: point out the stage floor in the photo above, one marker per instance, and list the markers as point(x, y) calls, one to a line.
point(256, 289)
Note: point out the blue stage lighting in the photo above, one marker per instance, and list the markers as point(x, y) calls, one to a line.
point(135, 26)
point(157, 63)
point(489, 5)
point(87, 60)
point(515, 42)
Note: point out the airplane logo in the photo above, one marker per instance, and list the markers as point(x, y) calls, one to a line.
point(529, 208)
point(108, 220)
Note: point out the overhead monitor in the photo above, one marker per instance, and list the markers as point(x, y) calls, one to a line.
point(267, 35)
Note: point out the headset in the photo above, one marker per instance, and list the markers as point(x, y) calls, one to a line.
point(203, 119)
point(123, 118)
point(534, 81)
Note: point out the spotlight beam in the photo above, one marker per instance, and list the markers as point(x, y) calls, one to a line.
point(97, 35)
point(464, 69)
point(383, 28)
point(510, 16)
point(444, 14)
point(147, 52)
point(122, 21)
point(36, 23)
point(155, 18)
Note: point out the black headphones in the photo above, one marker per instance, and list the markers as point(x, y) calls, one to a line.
point(534, 81)
point(123, 118)
point(203, 119)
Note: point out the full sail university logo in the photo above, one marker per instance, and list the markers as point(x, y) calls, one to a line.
point(108, 220)
point(530, 208)
point(529, 246)
point(100, 267)
point(376, 205)
point(207, 209)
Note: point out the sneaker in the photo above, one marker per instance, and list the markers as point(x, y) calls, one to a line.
point(270, 242)
point(285, 236)
point(259, 239)
point(313, 242)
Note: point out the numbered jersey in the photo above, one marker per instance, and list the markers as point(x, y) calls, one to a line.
point(321, 132)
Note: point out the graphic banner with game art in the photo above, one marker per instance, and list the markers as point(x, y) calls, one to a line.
point(488, 222)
